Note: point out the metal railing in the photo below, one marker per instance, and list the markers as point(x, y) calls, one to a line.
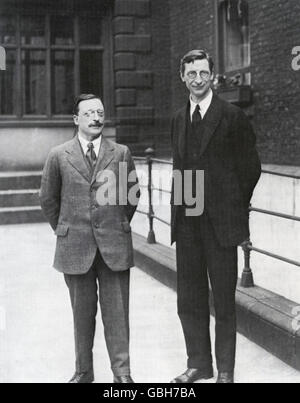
point(247, 280)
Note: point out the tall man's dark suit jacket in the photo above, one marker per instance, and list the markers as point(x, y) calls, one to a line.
point(225, 150)
point(94, 245)
point(231, 165)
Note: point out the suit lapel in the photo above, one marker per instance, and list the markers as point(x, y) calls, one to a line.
point(211, 121)
point(105, 156)
point(77, 160)
point(181, 130)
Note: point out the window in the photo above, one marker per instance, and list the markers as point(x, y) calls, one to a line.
point(234, 40)
point(50, 59)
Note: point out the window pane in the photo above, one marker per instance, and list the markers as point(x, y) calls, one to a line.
point(90, 31)
point(91, 72)
point(33, 30)
point(8, 89)
point(62, 30)
point(235, 35)
point(238, 48)
point(62, 66)
point(34, 82)
point(7, 30)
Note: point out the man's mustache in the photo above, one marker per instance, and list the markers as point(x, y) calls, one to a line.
point(96, 125)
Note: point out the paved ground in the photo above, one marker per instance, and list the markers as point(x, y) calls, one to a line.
point(36, 336)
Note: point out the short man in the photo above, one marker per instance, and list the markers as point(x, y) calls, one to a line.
point(94, 243)
point(216, 137)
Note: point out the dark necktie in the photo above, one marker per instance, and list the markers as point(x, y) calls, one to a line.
point(197, 118)
point(197, 125)
point(91, 156)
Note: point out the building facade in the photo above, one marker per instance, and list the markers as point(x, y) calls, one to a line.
point(128, 51)
point(255, 39)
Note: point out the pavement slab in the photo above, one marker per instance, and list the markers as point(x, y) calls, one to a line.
point(36, 330)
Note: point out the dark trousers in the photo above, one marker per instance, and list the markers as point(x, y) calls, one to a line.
point(114, 303)
point(199, 256)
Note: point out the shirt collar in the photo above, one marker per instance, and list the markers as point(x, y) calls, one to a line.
point(204, 104)
point(84, 144)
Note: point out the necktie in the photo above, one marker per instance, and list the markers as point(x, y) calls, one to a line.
point(197, 118)
point(91, 156)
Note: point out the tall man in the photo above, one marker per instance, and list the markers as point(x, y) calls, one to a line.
point(213, 136)
point(94, 243)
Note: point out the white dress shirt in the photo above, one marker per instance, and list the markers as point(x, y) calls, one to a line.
point(204, 105)
point(84, 144)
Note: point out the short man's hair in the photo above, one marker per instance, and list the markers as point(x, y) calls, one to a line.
point(194, 55)
point(83, 97)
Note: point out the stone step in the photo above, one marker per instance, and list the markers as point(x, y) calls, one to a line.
point(19, 198)
point(20, 180)
point(21, 215)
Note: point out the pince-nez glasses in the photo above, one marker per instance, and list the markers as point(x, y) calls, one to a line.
point(89, 114)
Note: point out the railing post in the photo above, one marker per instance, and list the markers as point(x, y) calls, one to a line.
point(247, 276)
point(151, 236)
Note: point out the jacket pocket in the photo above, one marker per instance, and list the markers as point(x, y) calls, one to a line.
point(62, 230)
point(126, 226)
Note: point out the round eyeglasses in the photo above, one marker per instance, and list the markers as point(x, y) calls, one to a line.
point(204, 75)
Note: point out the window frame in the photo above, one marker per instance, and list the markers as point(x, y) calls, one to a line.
point(219, 45)
point(106, 49)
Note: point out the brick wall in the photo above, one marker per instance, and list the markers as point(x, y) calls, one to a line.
point(275, 30)
point(142, 72)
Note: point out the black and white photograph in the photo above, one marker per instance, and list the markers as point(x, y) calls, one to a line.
point(149, 194)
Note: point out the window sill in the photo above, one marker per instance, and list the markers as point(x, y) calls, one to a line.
point(240, 95)
point(34, 123)
point(21, 123)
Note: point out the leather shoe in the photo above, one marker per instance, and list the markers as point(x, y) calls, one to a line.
point(123, 379)
point(192, 375)
point(86, 377)
point(225, 377)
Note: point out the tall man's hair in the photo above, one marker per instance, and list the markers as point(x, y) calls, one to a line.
point(194, 55)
